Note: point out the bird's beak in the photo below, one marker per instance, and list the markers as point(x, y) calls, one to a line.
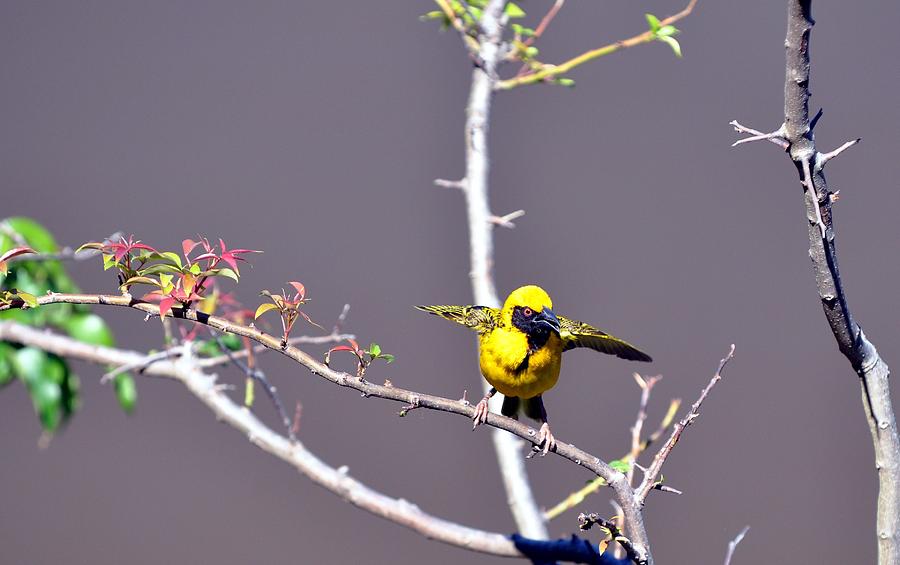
point(546, 317)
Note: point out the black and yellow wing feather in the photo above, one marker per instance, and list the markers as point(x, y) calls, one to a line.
point(479, 318)
point(578, 334)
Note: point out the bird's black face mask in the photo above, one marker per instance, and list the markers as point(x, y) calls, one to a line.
point(536, 325)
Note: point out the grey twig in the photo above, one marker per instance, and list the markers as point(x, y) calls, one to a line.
point(259, 376)
point(655, 468)
point(507, 220)
point(732, 545)
point(776, 137)
point(141, 364)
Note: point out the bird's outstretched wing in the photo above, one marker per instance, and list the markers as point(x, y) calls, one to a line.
point(479, 318)
point(578, 334)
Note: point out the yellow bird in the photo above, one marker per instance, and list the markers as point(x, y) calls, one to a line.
point(520, 350)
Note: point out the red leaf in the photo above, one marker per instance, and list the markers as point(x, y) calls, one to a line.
point(301, 290)
point(342, 348)
point(188, 245)
point(165, 305)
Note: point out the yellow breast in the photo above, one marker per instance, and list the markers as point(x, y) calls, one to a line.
point(502, 359)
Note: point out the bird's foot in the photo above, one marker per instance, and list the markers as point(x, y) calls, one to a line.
point(546, 439)
point(481, 412)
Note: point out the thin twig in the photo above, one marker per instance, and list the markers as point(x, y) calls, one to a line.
point(257, 375)
point(646, 386)
point(506, 221)
point(587, 521)
point(656, 467)
point(545, 21)
point(577, 497)
point(776, 137)
point(732, 545)
point(141, 364)
point(546, 72)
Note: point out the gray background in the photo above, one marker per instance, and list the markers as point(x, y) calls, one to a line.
point(313, 131)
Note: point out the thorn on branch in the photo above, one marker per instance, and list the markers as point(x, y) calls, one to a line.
point(664, 488)
point(413, 404)
point(506, 221)
point(822, 158)
point(778, 137)
point(815, 119)
point(461, 184)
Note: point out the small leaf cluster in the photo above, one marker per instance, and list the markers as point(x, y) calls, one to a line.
point(471, 13)
point(53, 387)
point(180, 279)
point(288, 307)
point(664, 33)
point(364, 357)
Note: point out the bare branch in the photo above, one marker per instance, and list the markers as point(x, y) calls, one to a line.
point(732, 545)
point(368, 389)
point(338, 481)
point(656, 467)
point(519, 495)
point(871, 369)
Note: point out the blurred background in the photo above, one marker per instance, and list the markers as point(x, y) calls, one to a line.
point(313, 131)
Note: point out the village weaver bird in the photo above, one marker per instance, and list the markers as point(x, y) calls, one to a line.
point(520, 351)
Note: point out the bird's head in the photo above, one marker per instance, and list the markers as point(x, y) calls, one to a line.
point(529, 309)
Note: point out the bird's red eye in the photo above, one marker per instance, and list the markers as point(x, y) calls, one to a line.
point(527, 312)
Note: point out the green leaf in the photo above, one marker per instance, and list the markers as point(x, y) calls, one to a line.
point(653, 22)
point(140, 280)
point(109, 261)
point(160, 268)
point(195, 269)
point(89, 328)
point(33, 233)
point(620, 465)
point(126, 392)
point(514, 11)
point(433, 15)
point(46, 397)
point(665, 31)
point(531, 51)
point(673, 43)
point(387, 357)
point(263, 308)
point(170, 256)
point(565, 82)
point(374, 350)
point(519, 29)
point(28, 364)
point(29, 299)
point(226, 272)
point(6, 363)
